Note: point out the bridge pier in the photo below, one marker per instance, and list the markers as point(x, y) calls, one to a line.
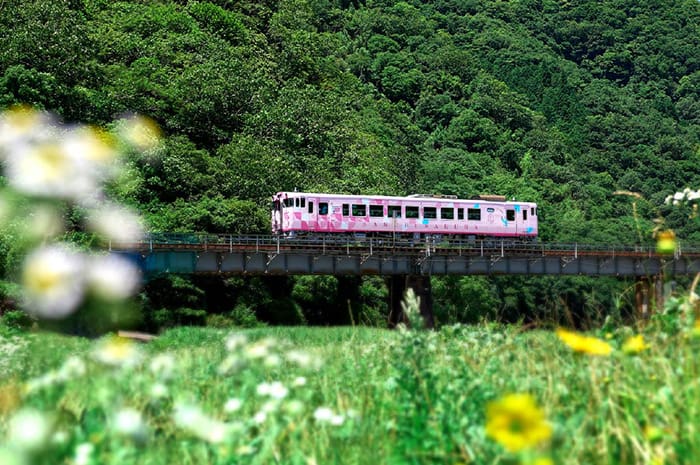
point(648, 295)
point(398, 284)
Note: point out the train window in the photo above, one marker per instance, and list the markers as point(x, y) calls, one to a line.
point(460, 213)
point(394, 211)
point(296, 202)
point(323, 208)
point(447, 213)
point(346, 209)
point(532, 211)
point(510, 215)
point(303, 202)
point(359, 209)
point(525, 214)
point(411, 212)
point(288, 202)
point(474, 214)
point(429, 212)
point(311, 206)
point(376, 210)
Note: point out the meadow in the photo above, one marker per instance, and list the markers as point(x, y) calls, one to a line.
point(483, 394)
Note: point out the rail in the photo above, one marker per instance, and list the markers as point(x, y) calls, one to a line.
point(388, 246)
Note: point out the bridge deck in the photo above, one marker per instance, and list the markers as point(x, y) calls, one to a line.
point(262, 255)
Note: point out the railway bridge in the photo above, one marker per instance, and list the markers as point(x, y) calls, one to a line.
point(409, 263)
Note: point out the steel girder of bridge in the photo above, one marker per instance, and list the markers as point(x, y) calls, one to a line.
point(269, 255)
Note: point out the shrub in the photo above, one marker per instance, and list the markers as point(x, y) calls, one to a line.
point(17, 320)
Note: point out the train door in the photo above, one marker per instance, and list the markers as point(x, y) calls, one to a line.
point(510, 222)
point(276, 215)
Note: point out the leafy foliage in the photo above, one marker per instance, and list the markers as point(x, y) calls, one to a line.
point(562, 103)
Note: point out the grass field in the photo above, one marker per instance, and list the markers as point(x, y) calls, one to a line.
point(482, 394)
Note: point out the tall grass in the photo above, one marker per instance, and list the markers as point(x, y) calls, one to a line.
point(352, 395)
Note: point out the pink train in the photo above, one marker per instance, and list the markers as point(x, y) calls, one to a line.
point(413, 216)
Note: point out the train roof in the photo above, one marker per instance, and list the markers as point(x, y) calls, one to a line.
point(485, 199)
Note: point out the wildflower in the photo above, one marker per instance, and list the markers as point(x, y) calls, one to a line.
point(129, 422)
point(29, 430)
point(192, 419)
point(666, 242)
point(260, 418)
point(112, 277)
point(21, 124)
point(158, 391)
point(49, 169)
point(234, 341)
point(83, 453)
point(73, 367)
point(323, 414)
point(233, 405)
point(516, 422)
point(634, 345)
point(116, 223)
point(93, 145)
point(276, 390)
point(299, 381)
point(53, 281)
point(260, 349)
point(584, 344)
point(117, 351)
point(163, 366)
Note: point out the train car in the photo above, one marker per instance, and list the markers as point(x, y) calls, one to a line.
point(305, 213)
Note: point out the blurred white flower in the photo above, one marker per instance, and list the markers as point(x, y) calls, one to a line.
point(337, 420)
point(276, 390)
point(118, 352)
point(231, 364)
point(260, 348)
point(299, 381)
point(93, 145)
point(21, 125)
point(323, 414)
point(116, 223)
point(129, 422)
point(163, 366)
point(113, 277)
point(272, 360)
point(53, 281)
point(73, 367)
point(159, 391)
point(83, 453)
point(234, 341)
point(48, 169)
point(29, 430)
point(260, 417)
point(192, 419)
point(233, 405)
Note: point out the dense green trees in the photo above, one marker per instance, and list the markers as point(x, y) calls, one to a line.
point(558, 102)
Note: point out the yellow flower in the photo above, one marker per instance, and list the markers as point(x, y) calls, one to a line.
point(516, 422)
point(666, 242)
point(634, 345)
point(584, 344)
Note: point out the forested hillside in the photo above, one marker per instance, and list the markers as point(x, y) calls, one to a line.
point(558, 102)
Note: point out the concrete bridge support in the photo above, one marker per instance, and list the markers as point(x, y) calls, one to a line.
point(398, 284)
point(648, 295)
